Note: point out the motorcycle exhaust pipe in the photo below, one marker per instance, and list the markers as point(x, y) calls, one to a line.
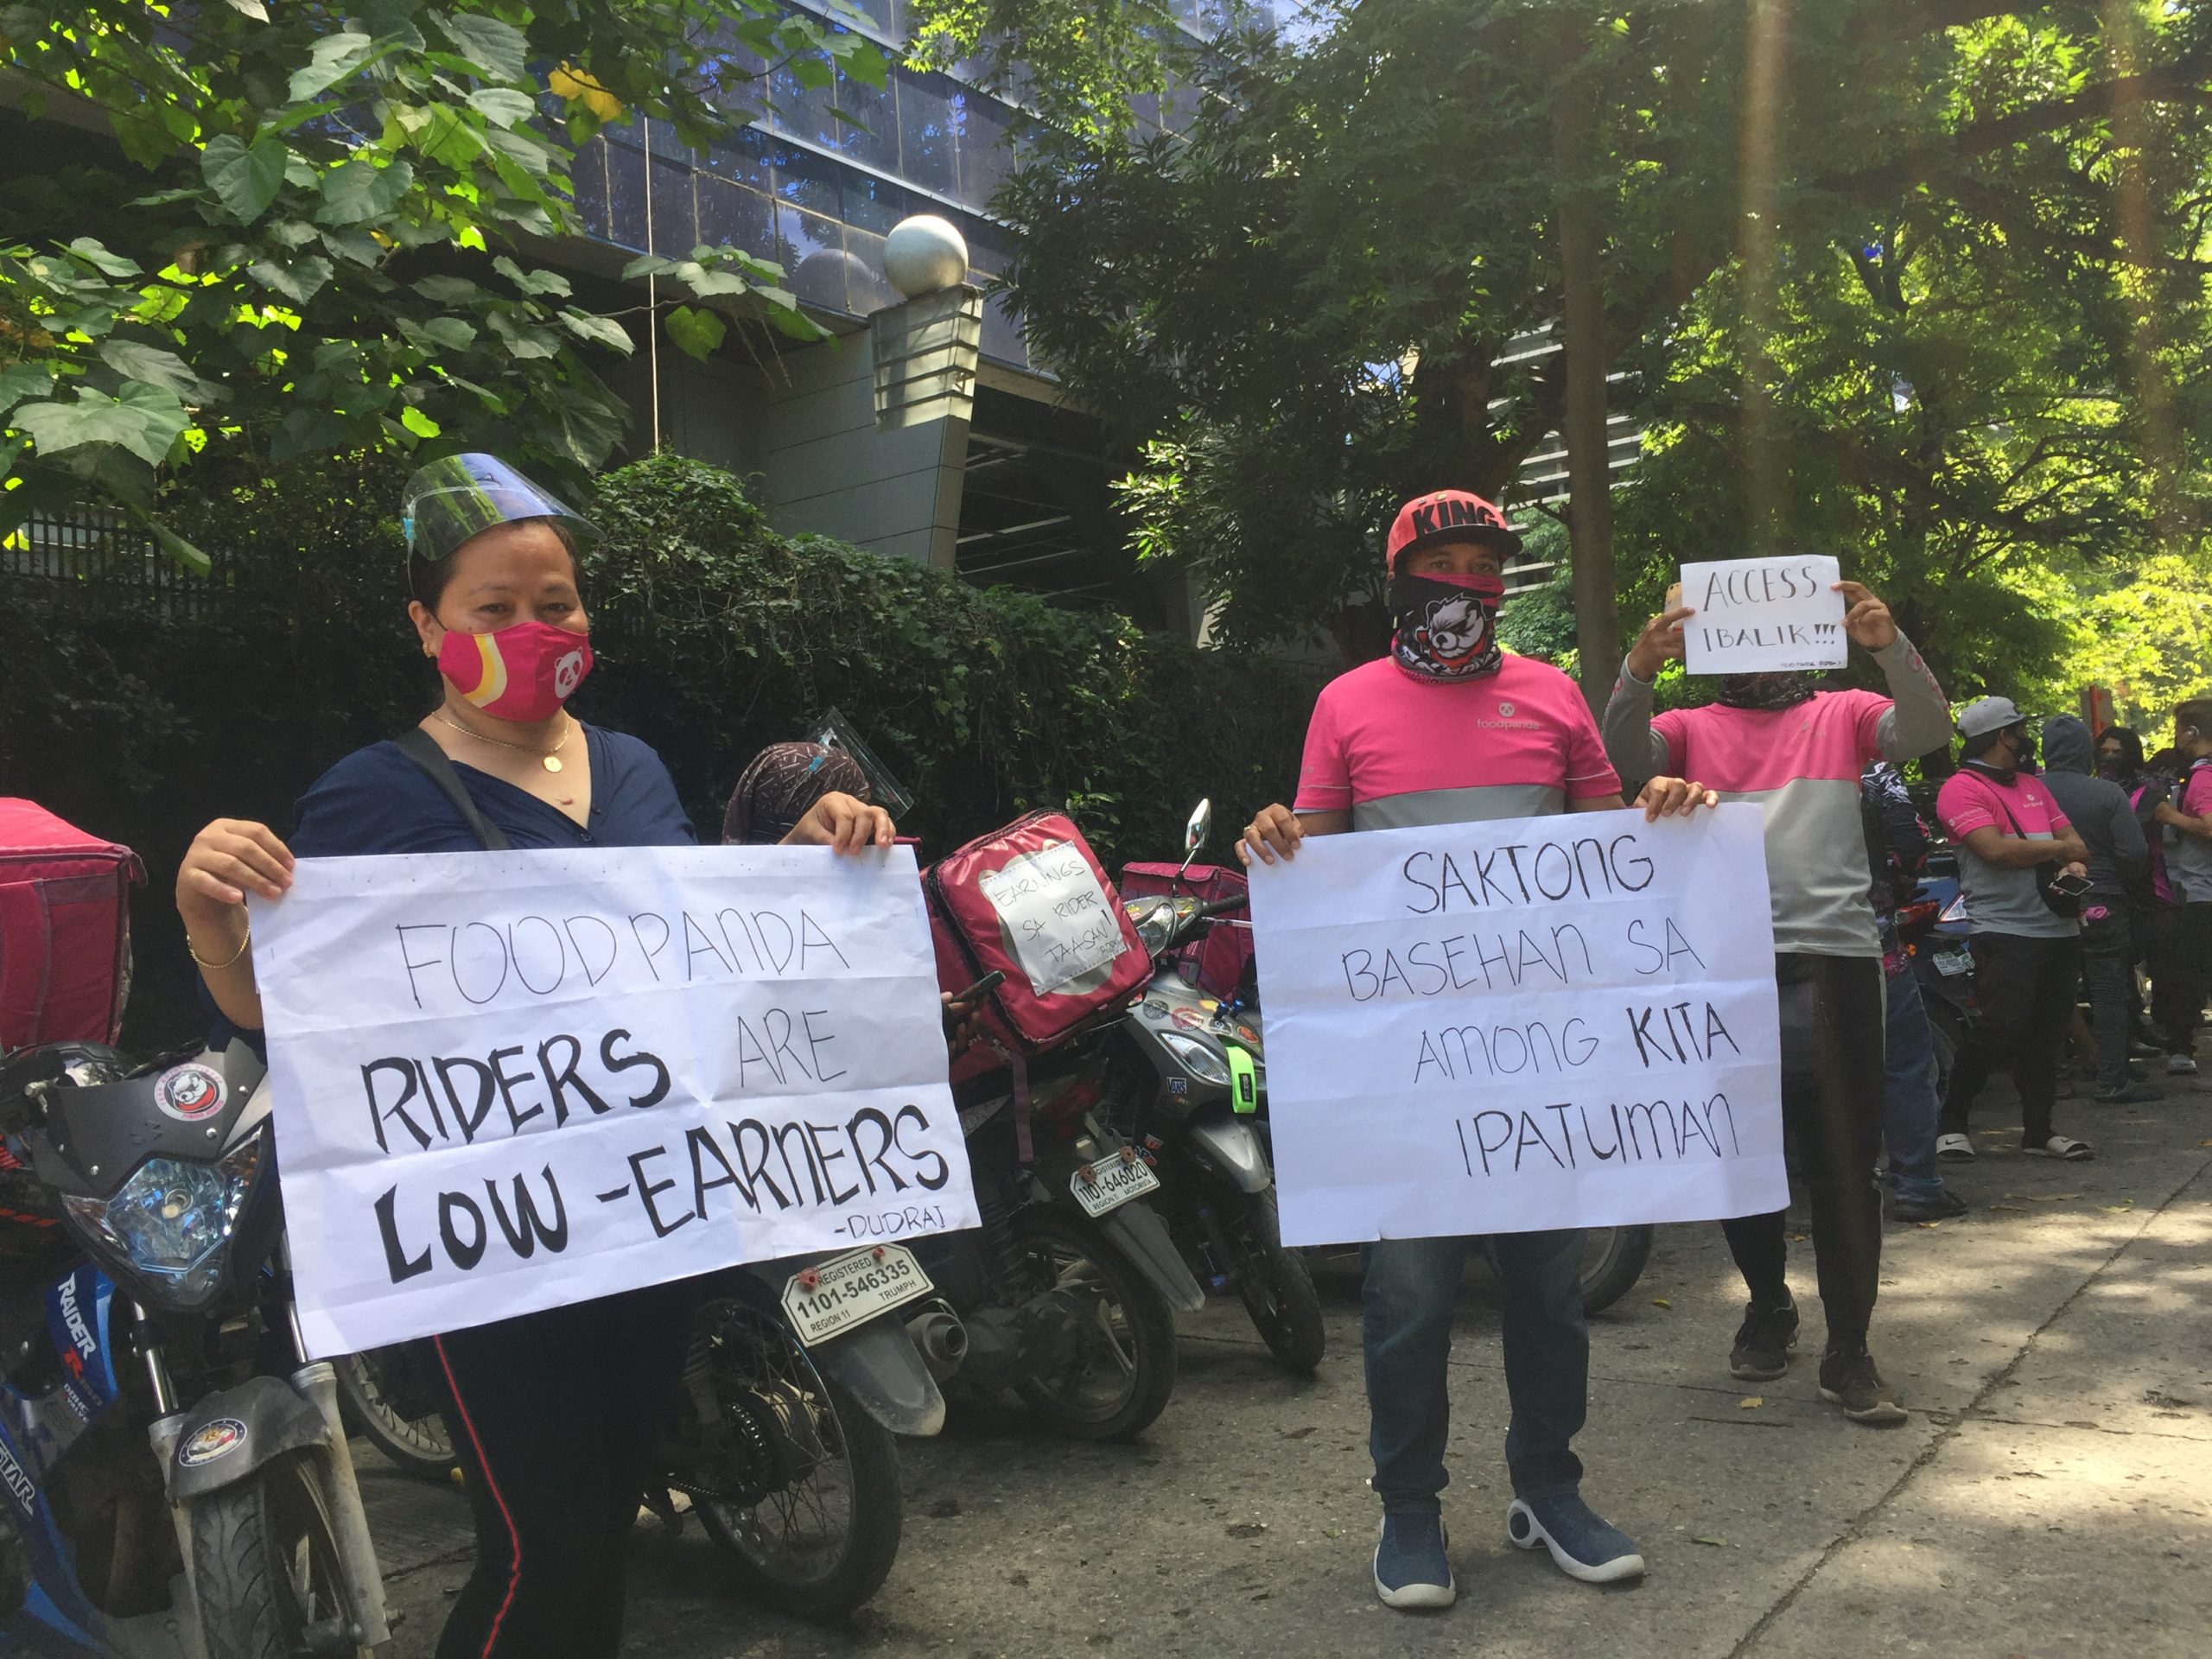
point(940, 1340)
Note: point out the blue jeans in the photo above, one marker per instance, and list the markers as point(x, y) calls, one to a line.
point(1408, 1296)
point(1911, 1105)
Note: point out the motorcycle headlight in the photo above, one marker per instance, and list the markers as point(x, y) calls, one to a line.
point(1201, 1060)
point(1154, 920)
point(172, 1219)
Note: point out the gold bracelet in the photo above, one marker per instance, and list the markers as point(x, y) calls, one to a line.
point(218, 966)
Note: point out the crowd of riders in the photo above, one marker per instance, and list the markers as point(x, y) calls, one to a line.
point(2076, 874)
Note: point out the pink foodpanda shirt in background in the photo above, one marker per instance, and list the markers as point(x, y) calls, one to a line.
point(1396, 750)
point(1801, 765)
point(2001, 901)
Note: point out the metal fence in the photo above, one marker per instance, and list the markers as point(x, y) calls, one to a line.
point(107, 556)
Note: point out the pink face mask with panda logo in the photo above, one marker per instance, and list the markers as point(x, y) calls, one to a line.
point(521, 673)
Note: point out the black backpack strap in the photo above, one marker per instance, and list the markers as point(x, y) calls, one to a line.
point(417, 746)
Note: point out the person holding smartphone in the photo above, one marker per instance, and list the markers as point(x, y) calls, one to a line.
point(2026, 872)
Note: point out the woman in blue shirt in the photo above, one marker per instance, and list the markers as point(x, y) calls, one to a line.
point(555, 1415)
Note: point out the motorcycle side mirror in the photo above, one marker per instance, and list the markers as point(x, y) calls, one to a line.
point(1194, 832)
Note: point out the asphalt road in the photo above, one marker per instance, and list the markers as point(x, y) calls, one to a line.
point(2051, 1494)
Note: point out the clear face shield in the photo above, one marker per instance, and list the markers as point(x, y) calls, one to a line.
point(460, 496)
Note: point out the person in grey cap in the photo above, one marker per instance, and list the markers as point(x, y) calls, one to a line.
point(2119, 883)
point(2014, 842)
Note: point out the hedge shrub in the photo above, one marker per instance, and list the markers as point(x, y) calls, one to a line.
point(715, 635)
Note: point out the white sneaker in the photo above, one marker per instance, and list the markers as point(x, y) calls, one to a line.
point(1954, 1149)
point(2180, 1065)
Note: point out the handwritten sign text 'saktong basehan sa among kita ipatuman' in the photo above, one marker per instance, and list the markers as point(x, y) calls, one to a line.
point(1536, 1023)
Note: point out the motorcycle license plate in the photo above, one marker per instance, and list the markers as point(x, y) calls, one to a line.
point(832, 1297)
point(1953, 961)
point(1112, 1184)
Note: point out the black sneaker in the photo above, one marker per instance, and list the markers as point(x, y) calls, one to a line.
point(1944, 1207)
point(1848, 1379)
point(1764, 1342)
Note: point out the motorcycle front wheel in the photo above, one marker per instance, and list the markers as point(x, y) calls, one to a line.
point(1613, 1259)
point(384, 1399)
point(1276, 1287)
point(1116, 1374)
point(796, 1483)
point(265, 1566)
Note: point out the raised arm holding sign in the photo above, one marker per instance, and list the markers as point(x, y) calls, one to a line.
point(1753, 615)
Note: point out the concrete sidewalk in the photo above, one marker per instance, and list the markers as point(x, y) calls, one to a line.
point(2050, 1496)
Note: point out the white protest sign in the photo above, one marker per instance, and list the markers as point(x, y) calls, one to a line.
point(1756, 616)
point(1531, 1023)
point(1057, 916)
point(509, 1081)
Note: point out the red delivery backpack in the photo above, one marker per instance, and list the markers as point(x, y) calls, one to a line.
point(64, 930)
point(1031, 901)
point(1217, 960)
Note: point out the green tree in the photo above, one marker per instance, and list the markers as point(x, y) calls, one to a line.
point(1301, 305)
point(303, 228)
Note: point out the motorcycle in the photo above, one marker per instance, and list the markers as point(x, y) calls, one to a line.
point(793, 1389)
point(1188, 1072)
point(146, 1270)
point(1067, 1294)
point(1934, 930)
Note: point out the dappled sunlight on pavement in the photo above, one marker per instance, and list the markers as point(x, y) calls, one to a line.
point(2050, 1494)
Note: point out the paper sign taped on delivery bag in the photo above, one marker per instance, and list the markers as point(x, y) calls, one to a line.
point(1060, 920)
point(1763, 615)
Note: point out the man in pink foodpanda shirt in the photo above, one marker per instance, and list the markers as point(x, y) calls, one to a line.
point(1799, 753)
point(1448, 729)
point(2011, 839)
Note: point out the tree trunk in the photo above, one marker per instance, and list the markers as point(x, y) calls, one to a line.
point(1589, 472)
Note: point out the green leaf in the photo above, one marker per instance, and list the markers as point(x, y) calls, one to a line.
point(521, 340)
point(501, 48)
point(419, 424)
point(356, 246)
point(596, 331)
point(291, 233)
point(502, 105)
point(134, 361)
point(245, 179)
point(696, 333)
point(448, 290)
point(358, 191)
point(96, 255)
point(439, 333)
point(297, 280)
point(180, 550)
point(22, 380)
point(308, 431)
point(142, 419)
point(447, 137)
point(537, 283)
point(335, 57)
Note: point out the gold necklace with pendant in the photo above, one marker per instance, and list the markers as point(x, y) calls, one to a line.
point(548, 758)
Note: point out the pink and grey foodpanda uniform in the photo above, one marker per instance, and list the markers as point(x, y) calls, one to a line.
point(1800, 758)
point(1450, 729)
point(2027, 957)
